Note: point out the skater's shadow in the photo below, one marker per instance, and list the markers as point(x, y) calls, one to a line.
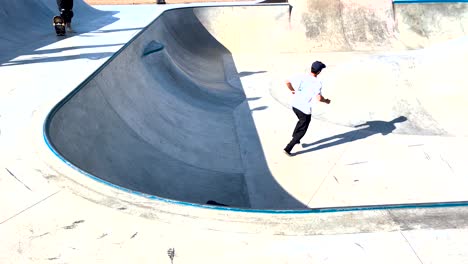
point(365, 130)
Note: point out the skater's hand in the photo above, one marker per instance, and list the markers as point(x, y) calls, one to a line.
point(322, 99)
point(290, 87)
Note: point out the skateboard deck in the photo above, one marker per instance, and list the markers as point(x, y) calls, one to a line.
point(59, 25)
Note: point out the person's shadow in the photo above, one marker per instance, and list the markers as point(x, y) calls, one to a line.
point(366, 130)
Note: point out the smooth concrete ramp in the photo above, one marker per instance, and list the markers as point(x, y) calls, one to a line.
point(180, 112)
point(170, 115)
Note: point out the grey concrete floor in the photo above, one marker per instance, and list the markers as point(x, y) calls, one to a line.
point(57, 210)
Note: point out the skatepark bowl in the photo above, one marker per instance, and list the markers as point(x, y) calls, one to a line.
point(173, 115)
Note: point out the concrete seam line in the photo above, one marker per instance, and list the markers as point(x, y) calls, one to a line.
point(29, 207)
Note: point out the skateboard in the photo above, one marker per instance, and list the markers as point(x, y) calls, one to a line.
point(59, 25)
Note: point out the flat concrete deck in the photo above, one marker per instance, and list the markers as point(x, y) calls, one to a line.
point(234, 109)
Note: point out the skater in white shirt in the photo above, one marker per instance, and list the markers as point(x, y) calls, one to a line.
point(305, 87)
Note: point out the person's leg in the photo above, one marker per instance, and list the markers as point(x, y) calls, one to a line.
point(65, 7)
point(65, 4)
point(303, 125)
point(300, 129)
point(298, 124)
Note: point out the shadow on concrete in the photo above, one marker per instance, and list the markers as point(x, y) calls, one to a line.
point(17, 41)
point(248, 73)
point(50, 58)
point(259, 108)
point(215, 156)
point(116, 30)
point(366, 130)
point(90, 56)
point(48, 51)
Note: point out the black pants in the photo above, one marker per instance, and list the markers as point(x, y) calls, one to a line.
point(300, 129)
point(65, 7)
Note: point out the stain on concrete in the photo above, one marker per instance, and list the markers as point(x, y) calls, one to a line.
point(103, 235)
point(34, 237)
point(357, 244)
point(426, 21)
point(171, 254)
point(312, 27)
point(427, 156)
point(366, 27)
point(74, 225)
point(19, 249)
point(356, 163)
point(316, 19)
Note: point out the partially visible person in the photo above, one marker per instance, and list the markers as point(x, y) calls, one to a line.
point(305, 88)
point(65, 7)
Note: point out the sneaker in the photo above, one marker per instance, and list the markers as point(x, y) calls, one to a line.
point(287, 153)
point(69, 28)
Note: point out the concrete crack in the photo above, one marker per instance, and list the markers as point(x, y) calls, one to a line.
point(28, 208)
point(414, 251)
point(18, 179)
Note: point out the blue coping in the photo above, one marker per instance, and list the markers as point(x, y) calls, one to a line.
point(234, 209)
point(155, 47)
point(427, 1)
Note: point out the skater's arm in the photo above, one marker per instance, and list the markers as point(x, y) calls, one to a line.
point(322, 99)
point(290, 87)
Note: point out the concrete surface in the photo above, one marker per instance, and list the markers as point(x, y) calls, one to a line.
point(203, 131)
point(124, 99)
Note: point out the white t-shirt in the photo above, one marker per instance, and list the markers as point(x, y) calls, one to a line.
point(306, 87)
